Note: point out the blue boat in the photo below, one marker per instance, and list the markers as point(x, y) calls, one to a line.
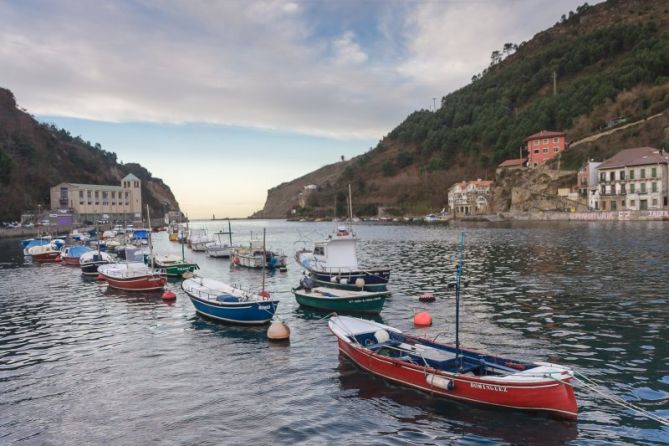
point(71, 254)
point(220, 301)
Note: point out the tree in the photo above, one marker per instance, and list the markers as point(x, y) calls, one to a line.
point(388, 168)
point(342, 158)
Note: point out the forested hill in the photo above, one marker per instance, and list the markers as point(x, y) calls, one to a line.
point(35, 157)
point(609, 61)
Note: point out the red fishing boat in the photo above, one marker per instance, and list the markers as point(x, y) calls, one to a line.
point(451, 371)
point(45, 254)
point(72, 254)
point(132, 276)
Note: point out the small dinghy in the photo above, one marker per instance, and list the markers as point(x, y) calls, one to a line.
point(345, 301)
point(90, 261)
point(72, 254)
point(447, 371)
point(220, 301)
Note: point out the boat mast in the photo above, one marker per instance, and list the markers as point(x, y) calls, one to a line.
point(458, 277)
point(230, 232)
point(350, 210)
point(148, 217)
point(264, 258)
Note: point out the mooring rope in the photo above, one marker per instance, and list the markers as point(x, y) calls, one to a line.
point(594, 386)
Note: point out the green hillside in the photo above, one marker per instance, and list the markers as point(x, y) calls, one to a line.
point(609, 61)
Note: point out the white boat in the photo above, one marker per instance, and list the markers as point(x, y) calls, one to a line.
point(221, 248)
point(254, 256)
point(198, 240)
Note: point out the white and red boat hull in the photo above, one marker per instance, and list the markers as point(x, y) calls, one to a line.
point(47, 257)
point(143, 283)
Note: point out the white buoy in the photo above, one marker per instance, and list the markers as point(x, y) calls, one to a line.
point(343, 281)
point(333, 279)
point(360, 282)
point(278, 331)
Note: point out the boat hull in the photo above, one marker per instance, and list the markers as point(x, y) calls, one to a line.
point(91, 269)
point(178, 270)
point(47, 257)
point(141, 283)
point(363, 304)
point(553, 397)
point(73, 261)
point(245, 313)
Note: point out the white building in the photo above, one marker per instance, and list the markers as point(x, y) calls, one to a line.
point(469, 197)
point(634, 179)
point(92, 201)
point(588, 183)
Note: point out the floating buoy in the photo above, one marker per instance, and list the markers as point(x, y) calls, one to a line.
point(360, 282)
point(169, 295)
point(100, 278)
point(278, 331)
point(422, 319)
point(426, 297)
point(264, 293)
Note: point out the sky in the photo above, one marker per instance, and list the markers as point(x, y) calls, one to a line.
point(226, 99)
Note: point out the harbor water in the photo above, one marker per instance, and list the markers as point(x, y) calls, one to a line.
point(83, 364)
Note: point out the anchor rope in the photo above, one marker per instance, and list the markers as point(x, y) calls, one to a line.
point(596, 387)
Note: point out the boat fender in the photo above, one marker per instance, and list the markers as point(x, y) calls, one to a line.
point(360, 282)
point(440, 381)
point(343, 281)
point(333, 279)
point(382, 336)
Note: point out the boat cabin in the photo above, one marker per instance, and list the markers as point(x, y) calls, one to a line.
point(337, 252)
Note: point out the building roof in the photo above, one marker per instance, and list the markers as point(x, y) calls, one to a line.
point(544, 134)
point(91, 186)
point(638, 156)
point(130, 177)
point(478, 182)
point(513, 162)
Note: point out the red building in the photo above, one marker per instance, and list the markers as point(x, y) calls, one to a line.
point(543, 146)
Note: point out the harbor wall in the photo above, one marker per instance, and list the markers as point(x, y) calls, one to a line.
point(649, 215)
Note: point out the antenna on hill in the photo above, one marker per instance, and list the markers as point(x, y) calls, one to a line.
point(554, 82)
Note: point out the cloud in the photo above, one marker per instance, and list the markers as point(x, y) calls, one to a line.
point(347, 50)
point(263, 64)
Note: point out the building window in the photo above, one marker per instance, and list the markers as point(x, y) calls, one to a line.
point(536, 151)
point(632, 203)
point(545, 150)
point(622, 175)
point(536, 142)
point(631, 174)
point(555, 139)
point(612, 176)
point(643, 173)
point(602, 176)
point(614, 205)
point(653, 186)
point(655, 202)
point(603, 205)
point(136, 183)
point(556, 149)
point(622, 189)
point(545, 141)
point(653, 172)
point(643, 186)
point(81, 194)
point(632, 188)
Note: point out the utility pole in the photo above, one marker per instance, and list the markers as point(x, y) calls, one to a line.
point(554, 82)
point(434, 104)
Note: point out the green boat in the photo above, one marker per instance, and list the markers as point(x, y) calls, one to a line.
point(173, 265)
point(345, 301)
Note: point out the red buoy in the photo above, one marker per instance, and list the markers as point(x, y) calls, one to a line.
point(426, 297)
point(422, 319)
point(264, 293)
point(169, 295)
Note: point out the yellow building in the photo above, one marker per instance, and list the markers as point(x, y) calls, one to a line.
point(92, 201)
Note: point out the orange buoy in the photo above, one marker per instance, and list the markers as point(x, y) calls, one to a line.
point(169, 295)
point(422, 319)
point(264, 293)
point(426, 297)
point(100, 278)
point(278, 331)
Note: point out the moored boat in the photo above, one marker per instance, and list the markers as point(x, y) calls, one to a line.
point(220, 301)
point(452, 372)
point(49, 253)
point(173, 265)
point(337, 300)
point(256, 256)
point(90, 261)
point(133, 276)
point(71, 254)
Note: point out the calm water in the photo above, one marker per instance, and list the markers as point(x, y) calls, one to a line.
point(80, 364)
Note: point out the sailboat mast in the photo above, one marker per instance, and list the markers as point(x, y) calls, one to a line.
point(264, 258)
point(230, 232)
point(350, 209)
point(458, 277)
point(148, 217)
